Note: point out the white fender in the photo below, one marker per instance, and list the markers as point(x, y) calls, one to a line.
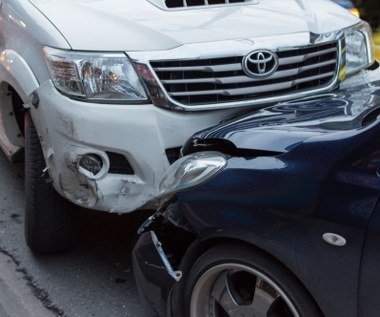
point(16, 72)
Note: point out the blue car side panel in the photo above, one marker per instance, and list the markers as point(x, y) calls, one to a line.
point(296, 241)
point(369, 287)
point(316, 171)
point(284, 205)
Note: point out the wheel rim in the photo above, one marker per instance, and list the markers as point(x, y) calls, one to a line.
point(237, 290)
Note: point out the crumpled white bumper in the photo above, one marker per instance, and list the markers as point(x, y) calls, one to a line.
point(69, 129)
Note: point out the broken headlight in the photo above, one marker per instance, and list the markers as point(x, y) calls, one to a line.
point(105, 77)
point(191, 170)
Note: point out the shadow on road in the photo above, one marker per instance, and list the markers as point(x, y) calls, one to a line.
point(94, 278)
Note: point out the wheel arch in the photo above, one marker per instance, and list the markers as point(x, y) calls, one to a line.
point(17, 83)
point(200, 246)
point(12, 113)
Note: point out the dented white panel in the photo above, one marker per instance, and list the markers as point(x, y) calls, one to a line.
point(141, 133)
point(130, 25)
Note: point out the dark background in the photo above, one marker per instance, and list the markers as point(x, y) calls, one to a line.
point(370, 11)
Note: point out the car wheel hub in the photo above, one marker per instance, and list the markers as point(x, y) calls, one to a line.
point(235, 290)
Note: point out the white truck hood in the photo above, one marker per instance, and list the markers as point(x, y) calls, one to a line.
point(141, 25)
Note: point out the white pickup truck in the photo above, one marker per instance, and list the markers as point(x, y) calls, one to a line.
point(98, 96)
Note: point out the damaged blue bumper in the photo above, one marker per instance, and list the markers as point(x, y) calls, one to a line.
point(153, 271)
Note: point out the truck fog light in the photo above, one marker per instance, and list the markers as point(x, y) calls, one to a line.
point(92, 163)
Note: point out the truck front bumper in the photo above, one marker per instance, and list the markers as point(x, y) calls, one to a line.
point(131, 141)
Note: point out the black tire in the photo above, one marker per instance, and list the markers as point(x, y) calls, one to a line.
point(234, 280)
point(50, 221)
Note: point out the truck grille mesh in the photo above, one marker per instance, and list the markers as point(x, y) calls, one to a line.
point(191, 3)
point(218, 80)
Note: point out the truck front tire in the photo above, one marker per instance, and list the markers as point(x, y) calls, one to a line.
point(49, 218)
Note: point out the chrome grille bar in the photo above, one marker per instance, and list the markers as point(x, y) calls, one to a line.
point(298, 59)
point(215, 68)
point(206, 81)
point(245, 79)
point(251, 90)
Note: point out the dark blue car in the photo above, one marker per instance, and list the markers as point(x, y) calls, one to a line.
point(276, 214)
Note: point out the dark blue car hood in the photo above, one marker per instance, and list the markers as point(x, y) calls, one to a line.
point(283, 126)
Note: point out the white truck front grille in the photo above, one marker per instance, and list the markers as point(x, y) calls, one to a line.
point(223, 80)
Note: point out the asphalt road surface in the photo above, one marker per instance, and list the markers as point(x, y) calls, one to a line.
point(94, 279)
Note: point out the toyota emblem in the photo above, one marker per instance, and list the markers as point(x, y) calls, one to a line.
point(260, 63)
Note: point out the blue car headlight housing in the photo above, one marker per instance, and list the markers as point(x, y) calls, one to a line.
point(107, 77)
point(359, 48)
point(190, 171)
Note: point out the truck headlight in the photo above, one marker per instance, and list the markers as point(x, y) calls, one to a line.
point(359, 52)
point(191, 170)
point(94, 77)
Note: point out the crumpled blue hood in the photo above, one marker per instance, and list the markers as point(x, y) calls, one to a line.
point(286, 125)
